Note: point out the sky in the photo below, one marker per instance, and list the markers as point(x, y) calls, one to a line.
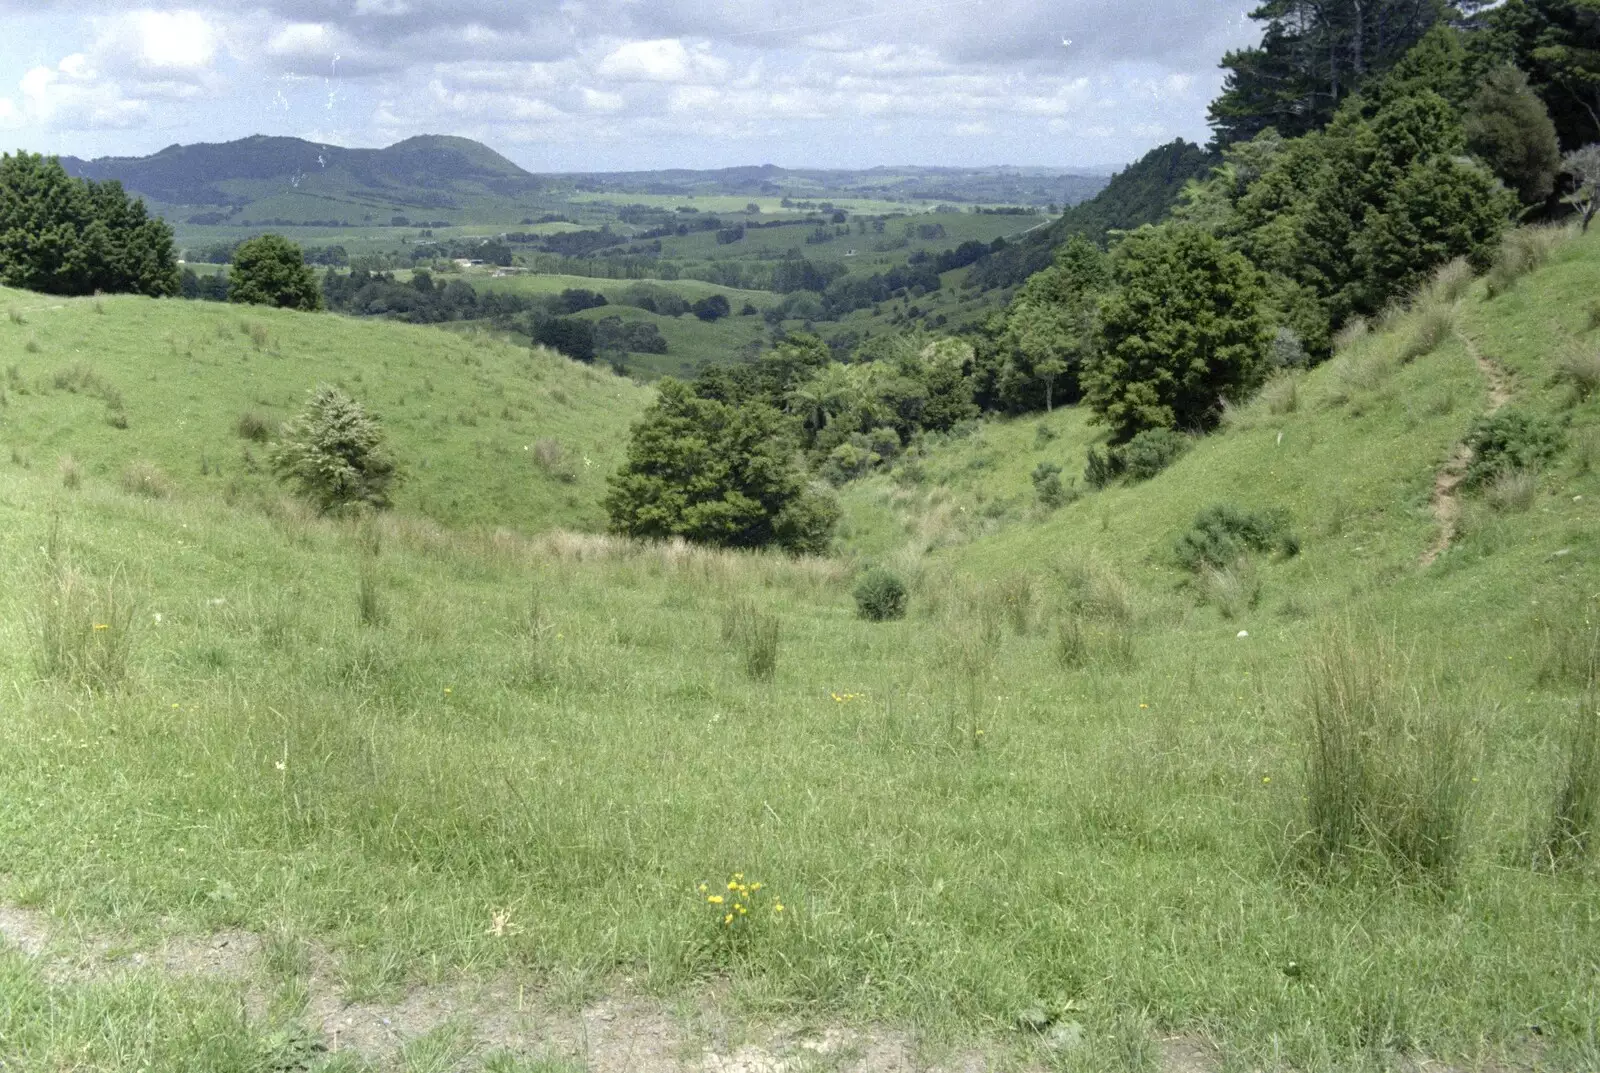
point(607, 85)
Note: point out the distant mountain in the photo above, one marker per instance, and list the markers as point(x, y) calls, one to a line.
point(1143, 193)
point(429, 172)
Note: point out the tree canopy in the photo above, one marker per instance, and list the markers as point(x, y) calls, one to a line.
point(271, 270)
point(61, 235)
point(1181, 330)
point(719, 474)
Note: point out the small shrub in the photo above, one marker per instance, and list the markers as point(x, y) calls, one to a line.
point(1223, 534)
point(1593, 309)
point(146, 479)
point(1511, 491)
point(881, 596)
point(254, 426)
point(1047, 486)
point(1386, 769)
point(1574, 826)
point(1100, 469)
point(71, 473)
point(1288, 352)
point(1579, 366)
point(15, 316)
point(1140, 459)
point(32, 345)
point(336, 454)
point(259, 336)
point(1043, 435)
point(1150, 452)
point(1510, 439)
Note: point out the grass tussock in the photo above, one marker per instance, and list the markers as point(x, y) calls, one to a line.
point(1578, 366)
point(1574, 827)
point(1511, 491)
point(146, 479)
point(1568, 645)
point(553, 460)
point(753, 635)
point(1387, 773)
point(1281, 396)
point(1234, 589)
point(1352, 332)
point(1523, 250)
point(70, 472)
point(370, 609)
point(254, 426)
point(1432, 323)
point(82, 628)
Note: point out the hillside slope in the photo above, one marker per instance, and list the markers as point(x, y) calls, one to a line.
point(1054, 818)
point(429, 173)
point(111, 382)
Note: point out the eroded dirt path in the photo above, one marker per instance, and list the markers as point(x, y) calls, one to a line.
point(1446, 501)
point(474, 1019)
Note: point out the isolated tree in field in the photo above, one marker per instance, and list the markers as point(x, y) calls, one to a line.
point(335, 453)
point(717, 474)
point(1583, 169)
point(1181, 330)
point(61, 235)
point(271, 271)
point(1509, 128)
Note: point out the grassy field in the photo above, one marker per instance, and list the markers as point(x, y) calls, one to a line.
point(1071, 792)
point(114, 387)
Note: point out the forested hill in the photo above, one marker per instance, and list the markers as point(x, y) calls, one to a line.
point(425, 172)
point(1141, 194)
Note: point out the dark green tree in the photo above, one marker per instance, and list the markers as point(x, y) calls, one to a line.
point(1510, 129)
point(1557, 42)
point(1181, 330)
point(1050, 327)
point(335, 453)
point(1314, 54)
point(271, 271)
point(61, 235)
point(720, 474)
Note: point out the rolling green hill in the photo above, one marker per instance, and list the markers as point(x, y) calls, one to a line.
point(115, 383)
point(451, 787)
point(290, 178)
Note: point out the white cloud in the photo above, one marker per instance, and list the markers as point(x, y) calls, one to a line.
point(72, 96)
point(666, 60)
point(596, 100)
point(174, 40)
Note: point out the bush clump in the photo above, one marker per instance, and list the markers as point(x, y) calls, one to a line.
point(335, 452)
point(1048, 488)
point(1140, 459)
point(881, 596)
point(1511, 440)
point(1223, 534)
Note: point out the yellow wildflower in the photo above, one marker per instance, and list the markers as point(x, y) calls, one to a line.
point(728, 919)
point(101, 626)
point(778, 908)
point(715, 899)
